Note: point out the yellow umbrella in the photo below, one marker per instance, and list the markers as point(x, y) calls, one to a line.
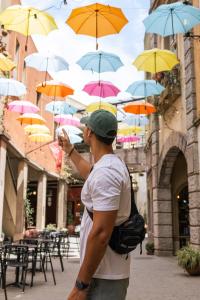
point(129, 130)
point(155, 61)
point(97, 20)
point(40, 137)
point(101, 105)
point(36, 128)
point(31, 119)
point(27, 20)
point(6, 64)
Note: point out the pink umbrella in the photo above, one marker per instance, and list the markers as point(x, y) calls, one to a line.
point(128, 139)
point(67, 120)
point(22, 107)
point(101, 88)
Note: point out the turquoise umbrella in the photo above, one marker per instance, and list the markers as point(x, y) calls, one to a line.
point(170, 19)
point(135, 120)
point(100, 62)
point(60, 107)
point(11, 87)
point(145, 88)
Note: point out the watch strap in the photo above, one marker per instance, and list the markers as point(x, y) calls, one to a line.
point(80, 285)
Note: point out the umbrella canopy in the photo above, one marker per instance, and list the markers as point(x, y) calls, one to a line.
point(156, 60)
point(27, 20)
point(101, 105)
point(97, 20)
point(74, 139)
point(69, 129)
point(46, 63)
point(6, 64)
point(23, 107)
point(54, 89)
point(102, 89)
point(135, 120)
point(129, 130)
point(40, 137)
point(67, 120)
point(139, 108)
point(31, 119)
point(170, 19)
point(145, 88)
point(100, 62)
point(128, 139)
point(60, 107)
point(11, 87)
point(32, 129)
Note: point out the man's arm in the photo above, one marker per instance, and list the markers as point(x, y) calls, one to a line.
point(99, 236)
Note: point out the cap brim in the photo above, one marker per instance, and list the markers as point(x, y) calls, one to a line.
point(84, 120)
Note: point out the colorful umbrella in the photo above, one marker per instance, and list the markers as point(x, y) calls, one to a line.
point(74, 139)
point(101, 105)
point(170, 19)
point(68, 129)
point(102, 89)
point(97, 20)
point(128, 139)
point(137, 120)
point(6, 64)
point(100, 62)
point(22, 107)
point(31, 119)
point(27, 20)
point(32, 129)
point(60, 107)
point(40, 137)
point(46, 63)
point(129, 130)
point(156, 60)
point(11, 87)
point(54, 89)
point(139, 108)
point(145, 88)
point(67, 120)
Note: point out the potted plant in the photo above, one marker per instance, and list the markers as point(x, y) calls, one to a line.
point(150, 248)
point(189, 259)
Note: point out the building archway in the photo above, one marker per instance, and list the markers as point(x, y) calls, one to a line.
point(170, 208)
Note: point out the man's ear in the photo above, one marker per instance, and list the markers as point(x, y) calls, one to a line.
point(89, 132)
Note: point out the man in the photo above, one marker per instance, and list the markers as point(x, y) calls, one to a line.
point(103, 273)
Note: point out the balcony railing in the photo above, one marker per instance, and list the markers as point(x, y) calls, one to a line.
point(171, 82)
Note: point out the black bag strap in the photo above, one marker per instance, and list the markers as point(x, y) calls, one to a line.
point(134, 209)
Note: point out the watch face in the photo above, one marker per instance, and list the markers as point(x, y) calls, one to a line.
point(81, 285)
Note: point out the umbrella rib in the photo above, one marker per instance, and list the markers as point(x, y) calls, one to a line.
point(84, 21)
point(180, 21)
point(110, 23)
point(164, 61)
point(166, 22)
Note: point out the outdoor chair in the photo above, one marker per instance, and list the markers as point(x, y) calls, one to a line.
point(2, 274)
point(56, 248)
point(74, 243)
point(46, 252)
point(16, 256)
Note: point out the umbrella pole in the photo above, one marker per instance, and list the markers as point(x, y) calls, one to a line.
point(173, 36)
point(45, 79)
point(97, 46)
point(26, 44)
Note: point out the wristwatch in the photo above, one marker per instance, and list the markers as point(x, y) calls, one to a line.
point(80, 285)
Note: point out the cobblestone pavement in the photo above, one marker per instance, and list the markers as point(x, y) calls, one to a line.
point(152, 278)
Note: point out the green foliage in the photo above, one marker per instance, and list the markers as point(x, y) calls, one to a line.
point(188, 257)
point(28, 212)
point(149, 246)
point(51, 227)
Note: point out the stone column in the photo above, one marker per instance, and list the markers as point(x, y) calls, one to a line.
point(41, 201)
point(61, 206)
point(192, 145)
point(21, 195)
point(3, 152)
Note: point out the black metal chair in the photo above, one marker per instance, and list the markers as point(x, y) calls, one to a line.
point(46, 247)
point(56, 250)
point(2, 274)
point(16, 256)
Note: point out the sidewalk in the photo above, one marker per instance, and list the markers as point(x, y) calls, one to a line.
point(152, 278)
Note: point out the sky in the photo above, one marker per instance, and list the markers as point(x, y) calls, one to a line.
point(64, 42)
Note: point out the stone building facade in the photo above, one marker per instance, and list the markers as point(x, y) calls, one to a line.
point(173, 148)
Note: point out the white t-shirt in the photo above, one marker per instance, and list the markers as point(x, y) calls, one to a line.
point(107, 188)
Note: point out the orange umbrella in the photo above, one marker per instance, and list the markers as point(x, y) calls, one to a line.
point(54, 89)
point(97, 20)
point(139, 108)
point(31, 119)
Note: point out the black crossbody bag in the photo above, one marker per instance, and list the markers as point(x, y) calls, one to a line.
point(126, 236)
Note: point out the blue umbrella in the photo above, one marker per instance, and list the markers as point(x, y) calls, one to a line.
point(170, 19)
point(46, 63)
point(60, 107)
point(100, 62)
point(145, 88)
point(11, 87)
point(136, 120)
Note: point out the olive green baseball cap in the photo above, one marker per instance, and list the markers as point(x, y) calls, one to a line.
point(102, 123)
